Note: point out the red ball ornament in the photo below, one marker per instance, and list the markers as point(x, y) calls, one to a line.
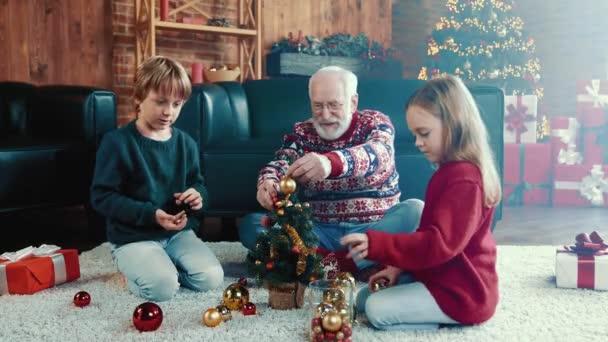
point(348, 331)
point(270, 265)
point(330, 336)
point(147, 317)
point(242, 281)
point(248, 309)
point(316, 322)
point(82, 299)
point(295, 250)
point(265, 221)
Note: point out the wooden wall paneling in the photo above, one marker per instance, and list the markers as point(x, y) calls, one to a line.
point(18, 40)
point(38, 52)
point(4, 39)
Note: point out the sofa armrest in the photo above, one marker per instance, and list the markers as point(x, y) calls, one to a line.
point(75, 113)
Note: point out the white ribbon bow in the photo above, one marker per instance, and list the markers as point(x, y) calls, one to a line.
point(43, 250)
point(569, 156)
point(594, 185)
point(593, 95)
point(567, 135)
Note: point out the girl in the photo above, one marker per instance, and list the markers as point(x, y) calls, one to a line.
point(148, 186)
point(445, 271)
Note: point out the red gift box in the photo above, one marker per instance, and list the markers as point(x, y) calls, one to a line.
point(520, 118)
point(527, 174)
point(592, 125)
point(33, 274)
point(591, 96)
point(564, 131)
point(580, 185)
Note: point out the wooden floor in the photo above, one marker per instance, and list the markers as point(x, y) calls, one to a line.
point(548, 226)
point(519, 226)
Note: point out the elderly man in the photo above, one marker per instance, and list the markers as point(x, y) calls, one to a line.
point(343, 160)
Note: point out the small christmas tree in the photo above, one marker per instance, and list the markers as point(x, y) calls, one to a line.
point(286, 252)
point(481, 40)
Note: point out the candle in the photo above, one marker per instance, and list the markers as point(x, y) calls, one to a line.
point(164, 10)
point(197, 72)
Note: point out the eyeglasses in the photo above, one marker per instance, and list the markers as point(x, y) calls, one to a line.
point(333, 106)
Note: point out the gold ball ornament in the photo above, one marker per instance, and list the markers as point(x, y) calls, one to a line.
point(344, 311)
point(281, 212)
point(224, 311)
point(235, 296)
point(345, 279)
point(332, 322)
point(333, 296)
point(212, 318)
point(379, 284)
point(323, 309)
point(339, 336)
point(287, 185)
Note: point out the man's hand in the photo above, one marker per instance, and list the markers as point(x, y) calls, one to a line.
point(358, 243)
point(171, 222)
point(391, 273)
point(311, 167)
point(190, 197)
point(267, 194)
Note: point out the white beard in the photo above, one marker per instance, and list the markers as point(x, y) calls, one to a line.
point(332, 135)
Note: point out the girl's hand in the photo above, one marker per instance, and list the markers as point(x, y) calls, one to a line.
point(390, 273)
point(171, 222)
point(191, 197)
point(358, 243)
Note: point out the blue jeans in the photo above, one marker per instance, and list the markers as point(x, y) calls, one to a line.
point(403, 217)
point(406, 306)
point(155, 269)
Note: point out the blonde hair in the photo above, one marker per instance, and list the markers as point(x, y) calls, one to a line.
point(164, 75)
point(465, 135)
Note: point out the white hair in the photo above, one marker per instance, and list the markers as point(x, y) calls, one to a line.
point(347, 77)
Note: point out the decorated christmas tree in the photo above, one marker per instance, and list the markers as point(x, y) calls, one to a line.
point(285, 254)
point(482, 40)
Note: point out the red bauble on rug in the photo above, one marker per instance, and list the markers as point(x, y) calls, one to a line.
point(147, 317)
point(82, 299)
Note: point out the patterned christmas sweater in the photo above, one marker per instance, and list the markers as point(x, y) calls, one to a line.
point(363, 182)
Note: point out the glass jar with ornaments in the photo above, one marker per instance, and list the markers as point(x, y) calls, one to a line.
point(331, 308)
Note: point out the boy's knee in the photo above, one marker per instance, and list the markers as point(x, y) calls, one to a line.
point(211, 278)
point(414, 205)
point(159, 289)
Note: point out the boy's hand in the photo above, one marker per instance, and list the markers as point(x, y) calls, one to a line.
point(267, 194)
point(358, 243)
point(390, 273)
point(171, 222)
point(190, 197)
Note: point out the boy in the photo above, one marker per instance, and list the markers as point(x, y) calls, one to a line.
point(147, 184)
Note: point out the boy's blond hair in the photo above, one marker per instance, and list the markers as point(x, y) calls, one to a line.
point(465, 135)
point(164, 75)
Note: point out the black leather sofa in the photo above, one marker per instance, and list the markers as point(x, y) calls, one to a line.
point(48, 138)
point(239, 126)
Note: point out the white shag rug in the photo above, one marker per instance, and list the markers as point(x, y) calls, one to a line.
point(531, 308)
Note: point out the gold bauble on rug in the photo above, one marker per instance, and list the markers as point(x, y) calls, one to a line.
point(224, 311)
point(235, 296)
point(212, 317)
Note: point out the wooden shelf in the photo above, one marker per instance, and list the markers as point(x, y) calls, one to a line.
point(204, 28)
point(249, 45)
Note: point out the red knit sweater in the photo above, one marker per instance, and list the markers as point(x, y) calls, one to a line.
point(453, 252)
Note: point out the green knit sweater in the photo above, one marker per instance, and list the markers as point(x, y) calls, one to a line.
point(135, 175)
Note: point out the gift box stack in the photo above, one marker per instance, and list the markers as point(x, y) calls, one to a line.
point(570, 170)
point(527, 175)
point(30, 269)
point(580, 174)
